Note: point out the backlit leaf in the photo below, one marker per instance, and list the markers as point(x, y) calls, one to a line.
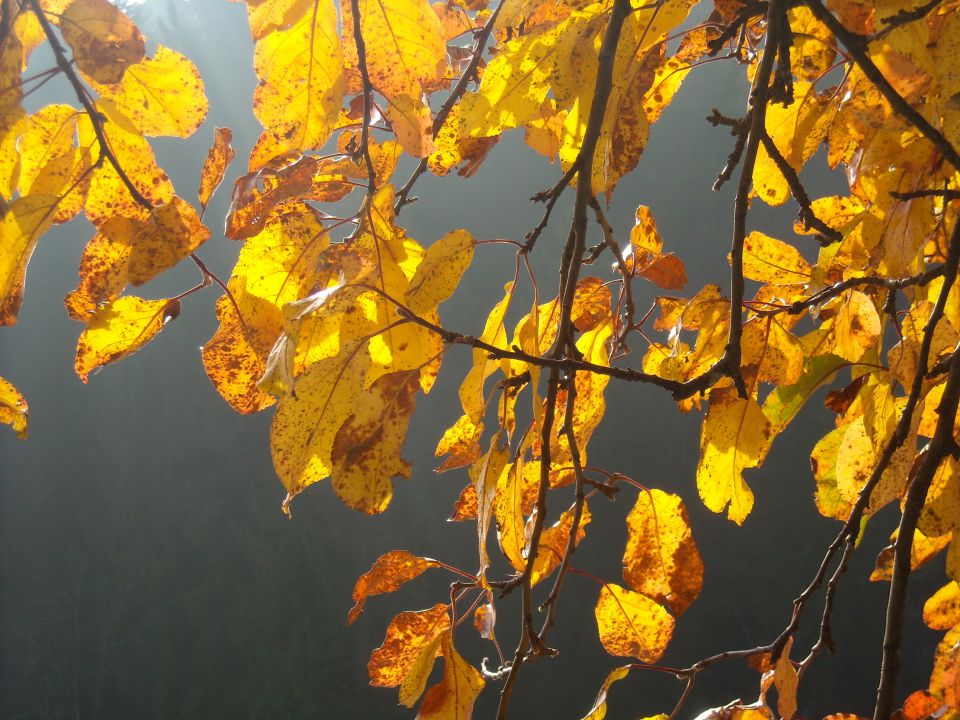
point(301, 80)
point(104, 41)
point(453, 697)
point(162, 95)
point(13, 408)
point(941, 611)
point(24, 221)
point(769, 260)
point(134, 251)
point(438, 275)
point(599, 709)
point(407, 634)
point(661, 559)
point(736, 436)
point(631, 624)
point(119, 329)
point(389, 572)
point(406, 53)
point(219, 156)
point(945, 678)
point(366, 448)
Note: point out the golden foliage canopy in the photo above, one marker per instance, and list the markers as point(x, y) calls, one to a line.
point(334, 318)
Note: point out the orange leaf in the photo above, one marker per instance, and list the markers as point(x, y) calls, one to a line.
point(661, 559)
point(407, 635)
point(388, 573)
point(219, 156)
point(453, 697)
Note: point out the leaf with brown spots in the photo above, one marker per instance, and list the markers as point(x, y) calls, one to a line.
point(388, 573)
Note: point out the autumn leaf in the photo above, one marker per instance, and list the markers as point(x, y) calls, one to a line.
point(599, 709)
point(438, 275)
point(945, 678)
point(301, 81)
point(661, 559)
point(162, 95)
point(119, 329)
point(104, 41)
point(736, 436)
point(389, 572)
point(632, 624)
point(13, 409)
point(219, 156)
point(407, 634)
point(366, 448)
point(453, 697)
point(24, 221)
point(941, 611)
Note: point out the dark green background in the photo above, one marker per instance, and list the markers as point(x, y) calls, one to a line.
point(146, 570)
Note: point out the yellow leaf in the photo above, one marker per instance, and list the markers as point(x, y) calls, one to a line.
point(416, 678)
point(591, 304)
point(412, 124)
point(830, 501)
point(661, 559)
point(24, 221)
point(769, 260)
point(219, 156)
point(131, 250)
point(856, 326)
point(301, 84)
point(786, 680)
point(104, 41)
point(407, 634)
point(599, 709)
point(438, 275)
point(941, 611)
point(366, 448)
point(508, 509)
point(406, 53)
point(471, 390)
point(814, 47)
point(922, 551)
point(453, 697)
point(162, 95)
point(108, 195)
point(797, 131)
point(485, 475)
point(257, 195)
point(631, 624)
point(945, 678)
point(774, 351)
point(736, 436)
point(265, 16)
point(46, 135)
point(235, 359)
point(839, 212)
point(13, 409)
point(305, 426)
point(554, 541)
point(941, 512)
point(644, 237)
point(68, 179)
point(513, 87)
point(461, 441)
point(389, 573)
point(119, 329)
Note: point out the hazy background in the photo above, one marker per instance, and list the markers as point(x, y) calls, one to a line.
point(146, 570)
